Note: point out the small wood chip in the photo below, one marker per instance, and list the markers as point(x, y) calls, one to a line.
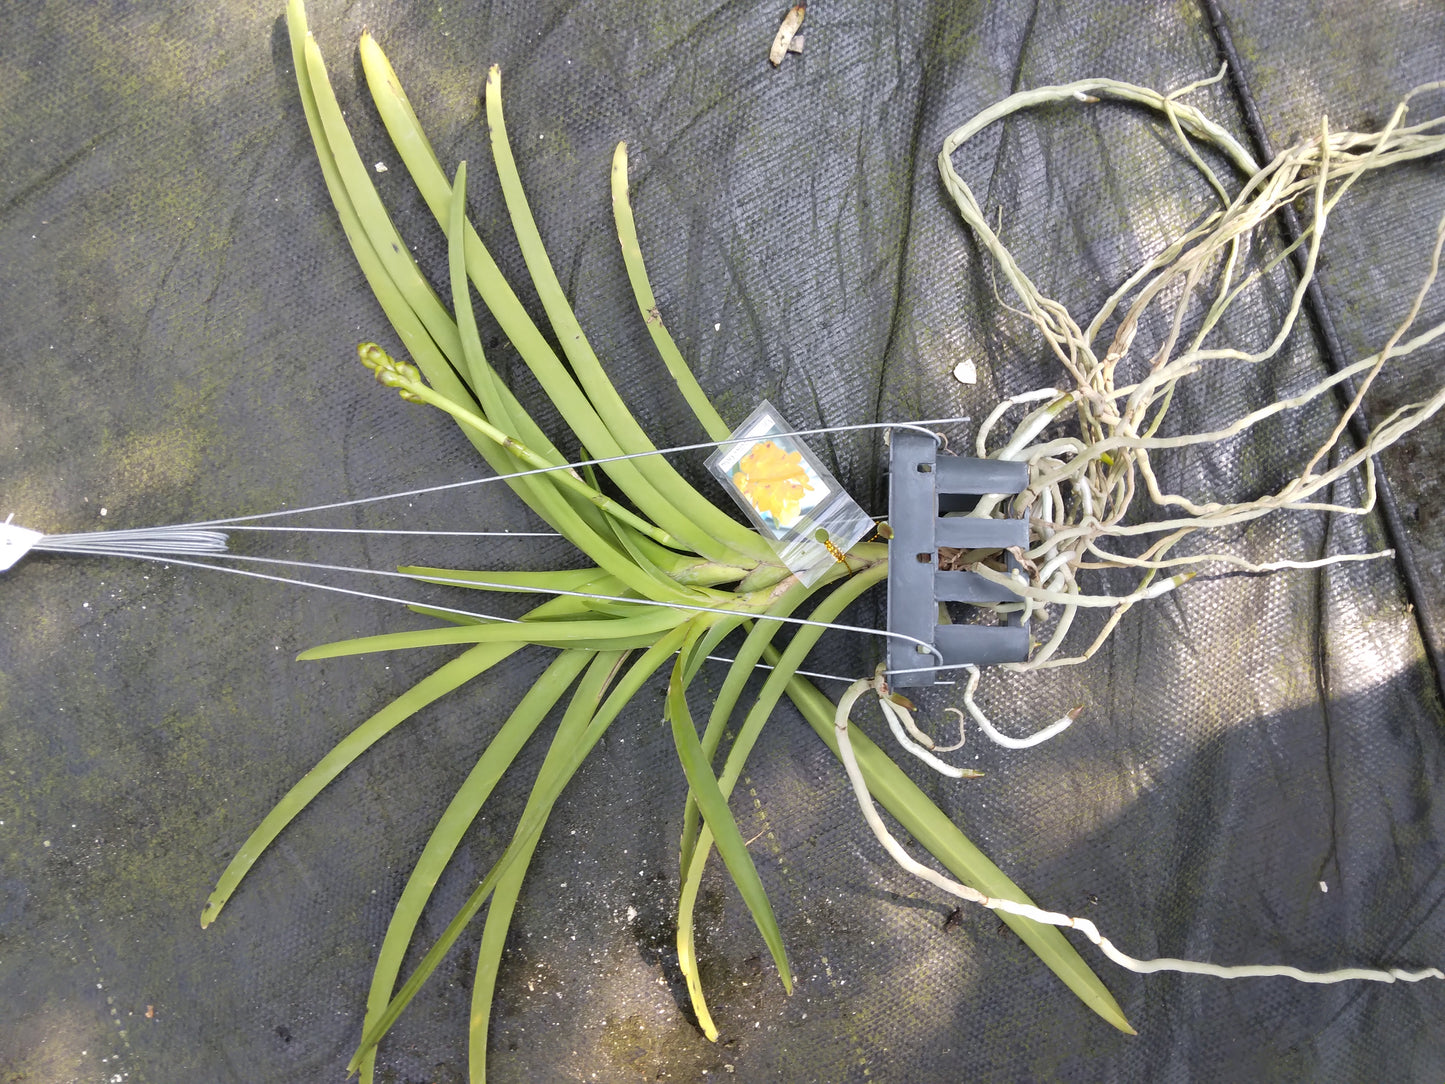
point(786, 33)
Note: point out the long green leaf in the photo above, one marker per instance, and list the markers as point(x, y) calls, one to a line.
point(414, 335)
point(446, 678)
point(560, 608)
point(682, 374)
point(546, 790)
point(719, 820)
point(785, 667)
point(485, 379)
point(425, 170)
point(743, 665)
point(566, 579)
point(494, 761)
point(427, 332)
point(580, 712)
point(928, 824)
point(650, 622)
point(385, 259)
point(680, 508)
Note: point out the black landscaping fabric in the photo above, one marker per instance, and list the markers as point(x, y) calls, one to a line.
point(1255, 776)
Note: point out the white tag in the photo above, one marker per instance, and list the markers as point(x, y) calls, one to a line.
point(792, 500)
point(15, 543)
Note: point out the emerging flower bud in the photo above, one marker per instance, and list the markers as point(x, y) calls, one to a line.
point(394, 374)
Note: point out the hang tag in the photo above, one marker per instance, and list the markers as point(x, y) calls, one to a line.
point(792, 500)
point(15, 543)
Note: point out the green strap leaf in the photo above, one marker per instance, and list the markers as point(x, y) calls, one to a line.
point(448, 677)
point(546, 790)
point(921, 818)
point(658, 489)
point(719, 820)
point(581, 711)
point(785, 668)
point(744, 663)
point(428, 333)
point(494, 761)
point(682, 374)
point(642, 627)
point(567, 579)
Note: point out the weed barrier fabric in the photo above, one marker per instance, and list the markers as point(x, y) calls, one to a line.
point(1256, 775)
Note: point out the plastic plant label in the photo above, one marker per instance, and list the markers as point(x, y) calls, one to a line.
point(789, 495)
point(15, 542)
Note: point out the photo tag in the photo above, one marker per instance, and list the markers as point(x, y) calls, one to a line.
point(789, 495)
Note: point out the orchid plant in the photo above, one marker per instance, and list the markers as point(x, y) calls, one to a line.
point(668, 574)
